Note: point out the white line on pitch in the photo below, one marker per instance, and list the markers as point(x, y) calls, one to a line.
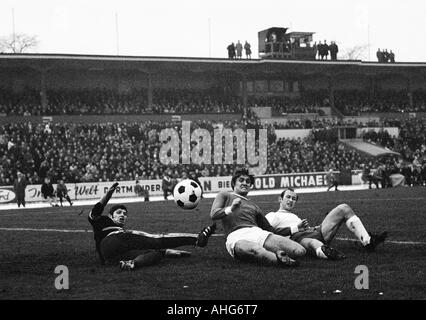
point(45, 230)
point(215, 235)
point(387, 241)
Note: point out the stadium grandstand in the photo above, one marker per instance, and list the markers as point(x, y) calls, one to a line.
point(97, 118)
point(117, 136)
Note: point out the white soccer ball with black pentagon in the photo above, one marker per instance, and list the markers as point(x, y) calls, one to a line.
point(187, 194)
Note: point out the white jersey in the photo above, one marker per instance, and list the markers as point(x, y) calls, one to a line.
point(282, 219)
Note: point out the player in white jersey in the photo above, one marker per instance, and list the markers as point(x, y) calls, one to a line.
point(249, 236)
point(317, 239)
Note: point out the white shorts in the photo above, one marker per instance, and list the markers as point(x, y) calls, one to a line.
point(253, 234)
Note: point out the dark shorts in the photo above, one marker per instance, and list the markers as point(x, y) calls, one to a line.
point(123, 246)
point(61, 194)
point(313, 233)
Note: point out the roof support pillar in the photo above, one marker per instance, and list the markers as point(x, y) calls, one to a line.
point(43, 93)
point(373, 83)
point(150, 99)
point(410, 93)
point(331, 90)
point(244, 90)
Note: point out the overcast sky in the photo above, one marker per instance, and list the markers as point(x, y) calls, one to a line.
point(198, 28)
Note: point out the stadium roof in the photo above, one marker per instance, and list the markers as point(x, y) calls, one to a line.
point(199, 65)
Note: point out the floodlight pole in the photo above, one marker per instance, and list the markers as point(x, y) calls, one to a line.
point(116, 34)
point(368, 31)
point(13, 29)
point(210, 39)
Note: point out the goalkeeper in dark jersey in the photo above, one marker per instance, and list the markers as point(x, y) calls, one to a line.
point(134, 249)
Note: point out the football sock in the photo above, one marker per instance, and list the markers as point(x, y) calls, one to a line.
point(355, 225)
point(138, 240)
point(174, 242)
point(320, 253)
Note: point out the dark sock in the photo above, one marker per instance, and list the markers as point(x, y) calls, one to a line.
point(142, 242)
point(174, 242)
point(149, 258)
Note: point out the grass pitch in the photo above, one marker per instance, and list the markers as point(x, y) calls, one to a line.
point(396, 270)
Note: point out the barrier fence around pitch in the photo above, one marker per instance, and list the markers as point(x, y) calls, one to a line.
point(96, 190)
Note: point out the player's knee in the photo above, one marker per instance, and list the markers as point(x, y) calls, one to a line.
point(255, 252)
point(245, 253)
point(299, 251)
point(344, 209)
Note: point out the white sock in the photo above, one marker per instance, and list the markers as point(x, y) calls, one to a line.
point(355, 225)
point(320, 253)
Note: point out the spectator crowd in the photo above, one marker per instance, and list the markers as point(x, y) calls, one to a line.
point(355, 102)
point(92, 152)
point(129, 151)
point(235, 51)
point(108, 102)
point(324, 49)
point(185, 101)
point(383, 56)
point(283, 105)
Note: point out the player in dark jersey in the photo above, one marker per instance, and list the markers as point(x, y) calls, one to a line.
point(134, 249)
point(249, 236)
point(48, 192)
point(62, 192)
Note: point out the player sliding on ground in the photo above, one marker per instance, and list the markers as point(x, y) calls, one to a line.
point(134, 249)
point(316, 240)
point(249, 235)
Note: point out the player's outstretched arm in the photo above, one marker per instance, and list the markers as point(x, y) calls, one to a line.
point(109, 194)
point(99, 207)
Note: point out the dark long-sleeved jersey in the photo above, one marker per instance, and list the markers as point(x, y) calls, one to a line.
point(102, 225)
point(47, 190)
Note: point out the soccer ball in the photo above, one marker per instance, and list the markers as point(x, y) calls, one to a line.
point(187, 194)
